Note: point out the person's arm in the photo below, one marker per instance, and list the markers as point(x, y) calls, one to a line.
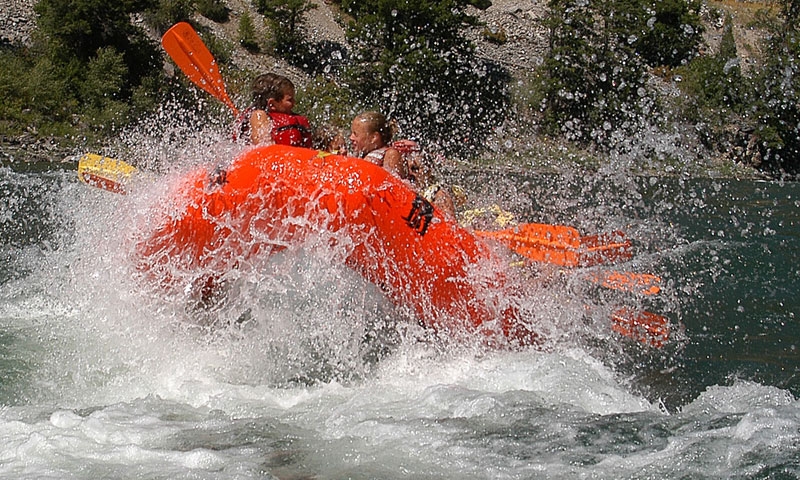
point(393, 162)
point(444, 201)
point(260, 128)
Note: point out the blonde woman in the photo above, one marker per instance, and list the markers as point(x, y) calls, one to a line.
point(370, 138)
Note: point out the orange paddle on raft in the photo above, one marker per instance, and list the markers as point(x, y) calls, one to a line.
point(187, 50)
point(562, 245)
point(642, 283)
point(645, 327)
point(565, 246)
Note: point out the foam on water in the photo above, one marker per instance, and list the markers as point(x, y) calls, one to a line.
point(423, 413)
point(307, 371)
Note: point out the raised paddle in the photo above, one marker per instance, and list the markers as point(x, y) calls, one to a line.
point(190, 54)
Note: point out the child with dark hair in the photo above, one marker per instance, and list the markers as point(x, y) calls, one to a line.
point(270, 119)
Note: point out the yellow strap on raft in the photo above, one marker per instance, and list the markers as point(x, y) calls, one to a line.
point(502, 217)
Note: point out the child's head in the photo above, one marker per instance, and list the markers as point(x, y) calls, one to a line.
point(273, 93)
point(369, 131)
point(329, 139)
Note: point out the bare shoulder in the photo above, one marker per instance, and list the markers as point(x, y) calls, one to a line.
point(393, 161)
point(260, 128)
point(392, 154)
point(259, 115)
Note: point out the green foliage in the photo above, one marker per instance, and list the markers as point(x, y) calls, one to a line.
point(326, 102)
point(166, 13)
point(776, 94)
point(790, 12)
point(286, 21)
point(662, 32)
point(75, 29)
point(148, 95)
point(91, 70)
point(32, 94)
point(286, 14)
point(715, 81)
point(671, 33)
point(214, 10)
point(413, 63)
point(759, 113)
point(727, 44)
point(80, 75)
point(247, 33)
point(592, 85)
point(221, 50)
point(100, 91)
point(105, 77)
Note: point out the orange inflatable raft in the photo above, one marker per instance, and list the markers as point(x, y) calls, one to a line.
point(272, 197)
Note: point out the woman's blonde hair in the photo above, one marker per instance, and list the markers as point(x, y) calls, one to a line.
point(376, 122)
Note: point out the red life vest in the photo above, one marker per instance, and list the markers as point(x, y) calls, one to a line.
point(290, 129)
point(287, 128)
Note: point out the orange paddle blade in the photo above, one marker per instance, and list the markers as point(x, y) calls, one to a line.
point(604, 248)
point(643, 283)
point(645, 327)
point(188, 51)
point(561, 245)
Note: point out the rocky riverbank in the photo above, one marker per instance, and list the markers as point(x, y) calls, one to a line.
point(519, 23)
point(518, 20)
point(17, 21)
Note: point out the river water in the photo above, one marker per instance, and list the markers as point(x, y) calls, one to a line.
point(310, 373)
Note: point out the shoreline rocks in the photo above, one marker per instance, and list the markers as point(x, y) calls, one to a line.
point(17, 21)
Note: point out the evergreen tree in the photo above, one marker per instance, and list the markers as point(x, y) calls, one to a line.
point(76, 29)
point(671, 32)
point(166, 13)
point(412, 62)
point(776, 94)
point(213, 10)
point(592, 83)
point(713, 98)
point(714, 81)
point(98, 55)
point(286, 19)
point(247, 32)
